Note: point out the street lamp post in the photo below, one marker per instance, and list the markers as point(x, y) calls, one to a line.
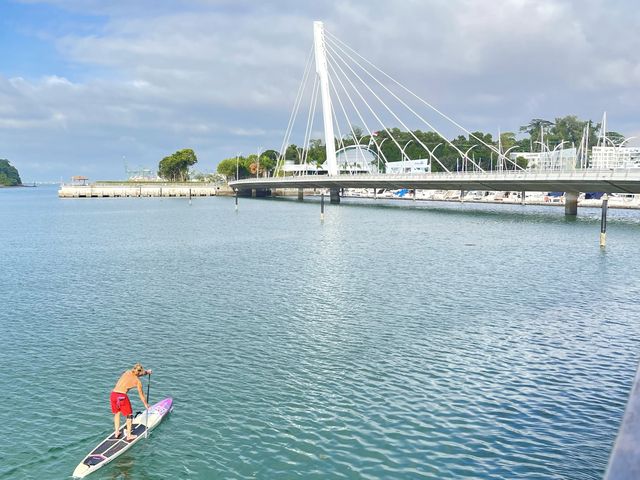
point(258, 163)
point(379, 148)
point(620, 146)
point(403, 154)
point(432, 154)
point(543, 147)
point(504, 155)
point(299, 152)
point(621, 143)
point(554, 151)
point(551, 152)
point(466, 156)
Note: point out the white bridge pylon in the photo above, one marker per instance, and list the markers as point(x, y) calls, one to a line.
point(353, 91)
point(322, 70)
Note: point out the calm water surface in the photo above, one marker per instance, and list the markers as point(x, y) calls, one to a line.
point(391, 341)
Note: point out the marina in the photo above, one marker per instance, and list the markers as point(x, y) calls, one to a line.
point(625, 201)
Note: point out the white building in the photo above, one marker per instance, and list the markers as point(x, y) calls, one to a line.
point(292, 168)
point(615, 157)
point(421, 165)
point(356, 159)
point(563, 159)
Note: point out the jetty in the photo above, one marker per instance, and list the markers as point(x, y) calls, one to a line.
point(142, 189)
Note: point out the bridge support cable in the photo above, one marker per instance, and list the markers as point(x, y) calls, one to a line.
point(294, 112)
point(339, 139)
point(337, 43)
point(369, 132)
point(344, 112)
point(355, 108)
point(404, 104)
point(333, 53)
point(344, 89)
point(310, 119)
point(367, 104)
point(386, 107)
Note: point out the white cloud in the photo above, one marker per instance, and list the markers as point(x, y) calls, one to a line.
point(55, 80)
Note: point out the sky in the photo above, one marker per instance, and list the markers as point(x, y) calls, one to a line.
point(89, 85)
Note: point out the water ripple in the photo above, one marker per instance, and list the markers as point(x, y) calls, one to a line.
point(377, 344)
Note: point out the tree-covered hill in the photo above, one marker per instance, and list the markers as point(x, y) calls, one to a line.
point(9, 176)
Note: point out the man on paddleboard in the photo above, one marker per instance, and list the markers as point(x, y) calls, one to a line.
point(120, 401)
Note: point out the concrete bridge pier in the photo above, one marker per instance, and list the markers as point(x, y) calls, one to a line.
point(523, 197)
point(301, 194)
point(259, 192)
point(571, 204)
point(335, 195)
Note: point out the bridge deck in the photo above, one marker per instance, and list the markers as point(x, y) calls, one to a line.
point(610, 181)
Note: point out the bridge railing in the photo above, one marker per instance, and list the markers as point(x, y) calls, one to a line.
point(510, 174)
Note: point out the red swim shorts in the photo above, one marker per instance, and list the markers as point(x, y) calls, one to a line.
point(120, 403)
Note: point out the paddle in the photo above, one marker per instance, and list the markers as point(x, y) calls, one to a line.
point(146, 422)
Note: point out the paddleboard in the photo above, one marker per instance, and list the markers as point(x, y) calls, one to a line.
point(111, 447)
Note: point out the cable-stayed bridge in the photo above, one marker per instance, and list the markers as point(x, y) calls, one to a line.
point(573, 181)
point(351, 90)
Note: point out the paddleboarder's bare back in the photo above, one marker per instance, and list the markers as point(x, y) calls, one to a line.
point(120, 401)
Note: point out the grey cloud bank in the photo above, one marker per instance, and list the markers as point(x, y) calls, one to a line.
point(221, 77)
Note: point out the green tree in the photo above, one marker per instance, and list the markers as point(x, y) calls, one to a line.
point(292, 153)
point(9, 175)
point(258, 165)
point(266, 164)
point(272, 154)
point(229, 166)
point(317, 152)
point(534, 127)
point(175, 167)
point(354, 135)
point(208, 177)
point(522, 162)
point(568, 129)
point(615, 137)
point(508, 140)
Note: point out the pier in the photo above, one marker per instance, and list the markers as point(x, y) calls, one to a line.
point(150, 189)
